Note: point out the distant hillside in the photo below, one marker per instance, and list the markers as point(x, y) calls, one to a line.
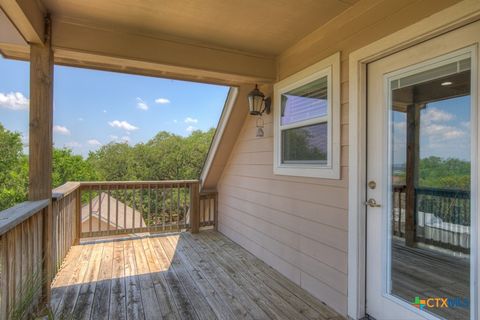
point(439, 173)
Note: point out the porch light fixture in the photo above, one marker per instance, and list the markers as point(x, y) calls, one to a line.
point(257, 103)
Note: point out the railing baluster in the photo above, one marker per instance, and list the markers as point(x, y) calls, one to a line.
point(163, 208)
point(108, 208)
point(90, 210)
point(99, 209)
point(134, 209)
point(178, 206)
point(171, 207)
point(156, 207)
point(185, 205)
point(141, 206)
point(125, 202)
point(148, 222)
point(116, 207)
point(210, 218)
point(400, 213)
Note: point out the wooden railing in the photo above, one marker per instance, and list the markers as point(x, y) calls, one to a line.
point(398, 207)
point(31, 255)
point(208, 209)
point(442, 217)
point(110, 208)
point(23, 276)
point(66, 221)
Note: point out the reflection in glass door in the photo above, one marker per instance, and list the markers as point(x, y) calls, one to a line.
point(430, 170)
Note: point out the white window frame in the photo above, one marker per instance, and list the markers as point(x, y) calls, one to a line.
point(329, 67)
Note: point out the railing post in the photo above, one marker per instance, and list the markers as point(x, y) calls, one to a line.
point(78, 216)
point(195, 207)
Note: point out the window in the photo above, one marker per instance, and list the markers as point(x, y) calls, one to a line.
point(307, 122)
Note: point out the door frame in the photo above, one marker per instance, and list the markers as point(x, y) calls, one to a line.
point(449, 19)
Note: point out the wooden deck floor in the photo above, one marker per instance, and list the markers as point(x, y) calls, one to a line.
point(426, 273)
point(181, 276)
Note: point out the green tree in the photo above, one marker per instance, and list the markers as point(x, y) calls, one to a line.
point(70, 167)
point(449, 173)
point(13, 169)
point(112, 162)
point(167, 156)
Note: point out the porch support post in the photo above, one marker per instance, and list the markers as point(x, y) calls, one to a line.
point(413, 150)
point(40, 141)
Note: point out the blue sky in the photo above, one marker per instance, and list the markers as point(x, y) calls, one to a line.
point(92, 108)
point(444, 130)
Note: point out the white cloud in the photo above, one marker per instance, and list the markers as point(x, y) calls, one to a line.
point(438, 132)
point(104, 111)
point(465, 124)
point(142, 105)
point(80, 119)
point(453, 133)
point(61, 130)
point(175, 121)
point(125, 139)
point(435, 115)
point(73, 144)
point(113, 137)
point(162, 101)
point(437, 127)
point(94, 142)
point(14, 101)
point(190, 120)
point(190, 128)
point(122, 125)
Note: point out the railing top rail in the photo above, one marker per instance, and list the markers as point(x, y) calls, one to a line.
point(13, 216)
point(86, 184)
point(208, 191)
point(64, 190)
point(446, 192)
point(443, 192)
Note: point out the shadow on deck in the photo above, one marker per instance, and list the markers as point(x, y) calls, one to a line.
point(179, 276)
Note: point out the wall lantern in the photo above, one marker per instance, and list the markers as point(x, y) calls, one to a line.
point(257, 103)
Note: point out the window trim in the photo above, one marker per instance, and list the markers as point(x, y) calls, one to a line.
point(329, 67)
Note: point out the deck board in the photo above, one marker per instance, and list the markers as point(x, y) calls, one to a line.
point(177, 276)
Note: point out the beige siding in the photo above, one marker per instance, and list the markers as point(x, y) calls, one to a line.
point(277, 217)
point(299, 225)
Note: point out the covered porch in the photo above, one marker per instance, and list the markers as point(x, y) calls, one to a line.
point(241, 241)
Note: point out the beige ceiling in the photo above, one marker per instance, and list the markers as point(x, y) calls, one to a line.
point(257, 26)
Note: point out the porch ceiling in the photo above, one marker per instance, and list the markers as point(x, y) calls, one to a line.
point(264, 27)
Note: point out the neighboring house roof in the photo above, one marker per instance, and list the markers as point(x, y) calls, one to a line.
point(229, 126)
point(124, 211)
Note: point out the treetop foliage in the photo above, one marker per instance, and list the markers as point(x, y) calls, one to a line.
point(165, 157)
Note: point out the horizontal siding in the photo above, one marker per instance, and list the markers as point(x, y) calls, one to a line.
point(299, 225)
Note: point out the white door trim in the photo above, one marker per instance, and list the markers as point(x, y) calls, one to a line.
point(446, 20)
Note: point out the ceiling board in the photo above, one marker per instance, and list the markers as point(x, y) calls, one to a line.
point(264, 27)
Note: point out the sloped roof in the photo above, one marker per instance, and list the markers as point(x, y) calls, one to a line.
point(126, 214)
